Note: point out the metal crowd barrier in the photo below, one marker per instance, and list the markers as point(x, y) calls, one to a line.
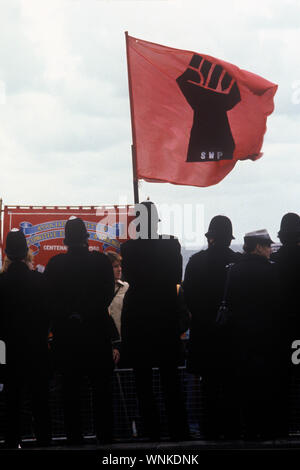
point(127, 421)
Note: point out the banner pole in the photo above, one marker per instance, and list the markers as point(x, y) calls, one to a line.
point(1, 242)
point(133, 146)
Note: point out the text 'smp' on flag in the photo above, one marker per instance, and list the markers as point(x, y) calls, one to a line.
point(193, 115)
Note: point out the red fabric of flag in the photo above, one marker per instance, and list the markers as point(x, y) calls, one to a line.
point(193, 115)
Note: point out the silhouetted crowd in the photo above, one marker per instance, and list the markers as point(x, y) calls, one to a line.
point(131, 309)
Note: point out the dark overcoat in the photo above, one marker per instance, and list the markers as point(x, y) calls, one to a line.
point(149, 323)
point(24, 320)
point(257, 324)
point(203, 285)
point(287, 259)
point(81, 287)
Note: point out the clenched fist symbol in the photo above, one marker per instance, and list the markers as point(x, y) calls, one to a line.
point(211, 92)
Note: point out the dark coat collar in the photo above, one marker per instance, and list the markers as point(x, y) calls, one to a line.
point(255, 258)
point(17, 266)
point(78, 249)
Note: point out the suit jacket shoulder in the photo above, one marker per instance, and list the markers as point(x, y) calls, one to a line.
point(55, 260)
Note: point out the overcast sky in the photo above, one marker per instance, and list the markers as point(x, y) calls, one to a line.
point(65, 133)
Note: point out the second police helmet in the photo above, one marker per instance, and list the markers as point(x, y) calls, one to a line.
point(75, 231)
point(220, 228)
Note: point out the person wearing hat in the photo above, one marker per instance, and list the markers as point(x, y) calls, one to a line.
point(203, 285)
point(81, 287)
point(24, 325)
point(287, 259)
point(150, 330)
point(255, 337)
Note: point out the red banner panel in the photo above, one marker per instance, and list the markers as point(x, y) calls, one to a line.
point(44, 228)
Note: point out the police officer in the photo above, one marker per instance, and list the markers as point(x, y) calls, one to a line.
point(204, 283)
point(81, 287)
point(287, 259)
point(24, 327)
point(150, 330)
point(254, 302)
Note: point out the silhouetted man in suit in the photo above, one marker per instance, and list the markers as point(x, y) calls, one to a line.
point(152, 265)
point(24, 325)
point(81, 288)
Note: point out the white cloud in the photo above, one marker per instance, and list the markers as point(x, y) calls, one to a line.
point(65, 135)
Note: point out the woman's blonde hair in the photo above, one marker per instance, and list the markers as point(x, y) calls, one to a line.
point(113, 256)
point(6, 262)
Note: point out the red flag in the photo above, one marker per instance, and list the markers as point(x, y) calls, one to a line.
point(193, 116)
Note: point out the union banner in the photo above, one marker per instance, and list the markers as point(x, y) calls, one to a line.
point(43, 228)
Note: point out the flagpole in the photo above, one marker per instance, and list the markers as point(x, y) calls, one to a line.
point(135, 180)
point(133, 146)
